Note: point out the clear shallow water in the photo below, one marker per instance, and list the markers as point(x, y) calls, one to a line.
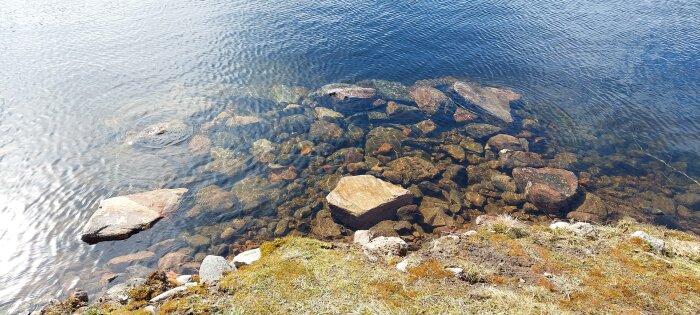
point(74, 77)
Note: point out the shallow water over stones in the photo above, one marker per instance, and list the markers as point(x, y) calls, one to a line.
point(261, 174)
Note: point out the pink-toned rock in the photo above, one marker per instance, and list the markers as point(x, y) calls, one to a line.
point(508, 142)
point(120, 217)
point(493, 100)
point(352, 92)
point(463, 115)
point(549, 189)
point(512, 159)
point(429, 99)
point(173, 261)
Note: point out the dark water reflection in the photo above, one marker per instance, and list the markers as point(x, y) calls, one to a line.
point(603, 76)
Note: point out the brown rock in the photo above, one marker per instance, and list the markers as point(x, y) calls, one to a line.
point(324, 226)
point(211, 198)
point(429, 99)
point(426, 126)
point(434, 211)
point(504, 141)
point(455, 151)
point(361, 201)
point(463, 115)
point(592, 204)
point(549, 189)
point(512, 159)
point(173, 261)
point(412, 169)
point(352, 92)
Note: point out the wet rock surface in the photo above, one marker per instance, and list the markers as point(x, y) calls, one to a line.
point(119, 217)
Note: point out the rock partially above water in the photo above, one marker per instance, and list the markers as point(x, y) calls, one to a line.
point(343, 91)
point(549, 189)
point(362, 201)
point(493, 100)
point(120, 217)
point(162, 134)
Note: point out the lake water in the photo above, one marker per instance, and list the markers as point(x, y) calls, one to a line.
point(611, 79)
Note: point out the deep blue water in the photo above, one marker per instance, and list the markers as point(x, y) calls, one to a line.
point(72, 72)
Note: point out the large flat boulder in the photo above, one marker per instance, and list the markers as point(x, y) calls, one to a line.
point(120, 217)
point(362, 201)
point(492, 100)
point(549, 189)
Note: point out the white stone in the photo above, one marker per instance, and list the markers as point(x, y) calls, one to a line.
point(469, 233)
point(167, 294)
point(212, 268)
point(455, 271)
point(385, 246)
point(183, 279)
point(362, 237)
point(246, 258)
point(402, 265)
point(560, 225)
point(656, 243)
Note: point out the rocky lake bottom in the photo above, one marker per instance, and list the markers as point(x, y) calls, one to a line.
point(265, 163)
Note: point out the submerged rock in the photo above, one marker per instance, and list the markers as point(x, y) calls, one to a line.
point(429, 99)
point(120, 217)
point(462, 115)
point(594, 206)
point(434, 211)
point(384, 137)
point(211, 198)
point(343, 91)
point(411, 169)
point(481, 131)
point(506, 142)
point(391, 90)
point(493, 100)
point(327, 113)
point(549, 189)
point(286, 94)
point(162, 134)
point(512, 159)
point(362, 201)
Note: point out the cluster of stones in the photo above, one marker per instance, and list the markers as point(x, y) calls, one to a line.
point(401, 161)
